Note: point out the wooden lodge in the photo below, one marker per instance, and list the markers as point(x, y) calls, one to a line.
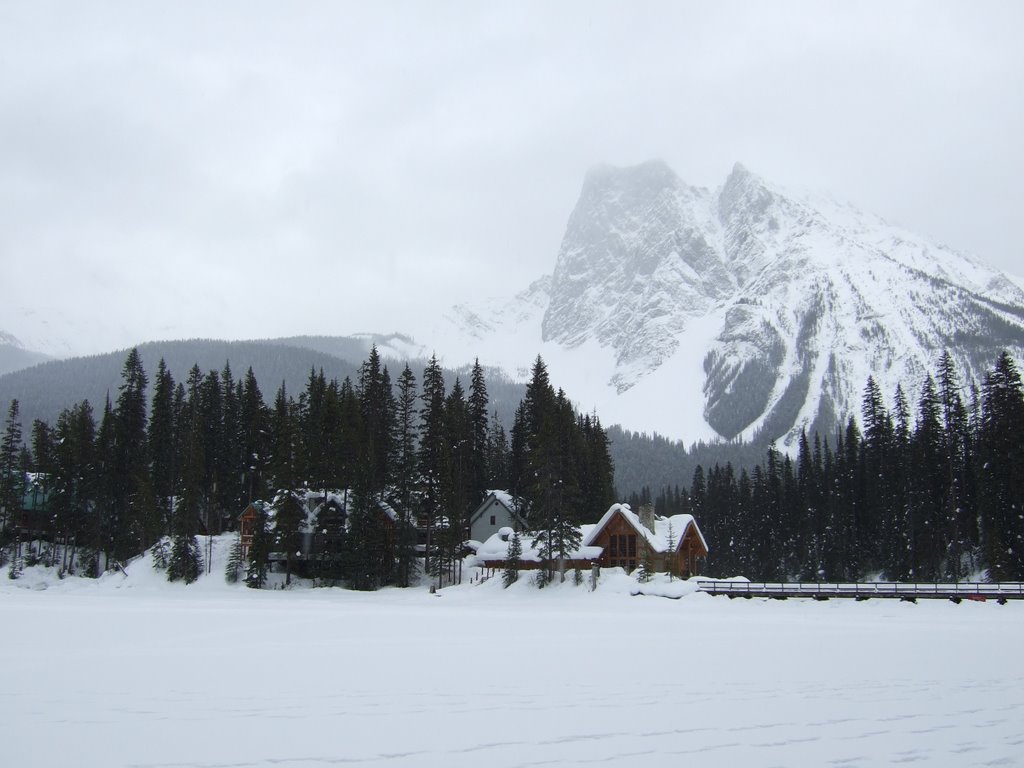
point(673, 544)
point(621, 539)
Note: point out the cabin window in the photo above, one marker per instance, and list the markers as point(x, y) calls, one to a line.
point(622, 551)
point(492, 519)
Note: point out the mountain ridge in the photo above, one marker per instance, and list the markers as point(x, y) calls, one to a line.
point(770, 309)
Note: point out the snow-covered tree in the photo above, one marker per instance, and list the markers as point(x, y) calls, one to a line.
point(513, 561)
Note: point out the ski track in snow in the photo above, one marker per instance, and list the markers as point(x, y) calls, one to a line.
point(135, 672)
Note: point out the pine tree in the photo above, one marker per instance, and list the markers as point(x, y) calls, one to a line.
point(597, 481)
point(498, 456)
point(405, 477)
point(160, 441)
point(479, 473)
point(548, 446)
point(211, 418)
point(434, 461)
point(233, 569)
point(458, 497)
point(127, 530)
point(513, 561)
point(348, 465)
point(231, 495)
point(283, 458)
point(97, 537)
point(289, 517)
point(316, 437)
point(959, 517)
point(874, 461)
point(185, 562)
point(12, 481)
point(252, 436)
point(259, 552)
point(377, 411)
point(809, 505)
point(368, 563)
point(74, 480)
point(928, 484)
point(897, 535)
point(646, 567)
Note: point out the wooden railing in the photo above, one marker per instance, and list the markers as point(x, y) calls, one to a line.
point(903, 590)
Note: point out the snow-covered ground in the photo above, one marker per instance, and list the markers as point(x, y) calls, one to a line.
point(132, 671)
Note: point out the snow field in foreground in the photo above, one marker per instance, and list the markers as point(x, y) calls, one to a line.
point(136, 672)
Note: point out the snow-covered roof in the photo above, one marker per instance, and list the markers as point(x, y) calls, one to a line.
point(496, 548)
point(505, 498)
point(313, 502)
point(656, 539)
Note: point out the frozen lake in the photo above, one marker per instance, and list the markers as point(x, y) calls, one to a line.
point(135, 672)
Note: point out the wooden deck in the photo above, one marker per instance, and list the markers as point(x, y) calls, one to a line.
point(909, 591)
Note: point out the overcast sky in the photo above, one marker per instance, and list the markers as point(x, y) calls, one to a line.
point(251, 169)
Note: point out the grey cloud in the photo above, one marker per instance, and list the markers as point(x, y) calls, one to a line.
point(192, 155)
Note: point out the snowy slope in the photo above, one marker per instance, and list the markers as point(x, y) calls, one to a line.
point(14, 355)
point(743, 311)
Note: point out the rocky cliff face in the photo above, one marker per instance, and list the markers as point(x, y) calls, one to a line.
point(640, 257)
point(805, 298)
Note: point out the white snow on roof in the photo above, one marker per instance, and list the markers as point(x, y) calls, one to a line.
point(313, 501)
point(496, 548)
point(506, 498)
point(656, 539)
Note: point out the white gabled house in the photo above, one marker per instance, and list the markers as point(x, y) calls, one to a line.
point(498, 510)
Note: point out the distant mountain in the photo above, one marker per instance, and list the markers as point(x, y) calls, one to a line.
point(43, 390)
point(746, 311)
point(14, 356)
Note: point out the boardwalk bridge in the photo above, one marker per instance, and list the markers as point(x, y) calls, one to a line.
point(901, 590)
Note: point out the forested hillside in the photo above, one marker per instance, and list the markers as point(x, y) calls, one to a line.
point(45, 389)
point(110, 483)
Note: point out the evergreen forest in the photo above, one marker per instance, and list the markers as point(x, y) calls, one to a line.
point(933, 491)
point(930, 492)
point(88, 493)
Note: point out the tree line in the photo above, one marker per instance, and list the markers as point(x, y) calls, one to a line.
point(933, 494)
point(198, 452)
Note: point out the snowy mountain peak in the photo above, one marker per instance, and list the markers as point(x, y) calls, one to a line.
point(743, 195)
point(10, 340)
point(748, 310)
point(639, 243)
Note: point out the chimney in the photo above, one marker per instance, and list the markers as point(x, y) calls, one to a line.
point(647, 516)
